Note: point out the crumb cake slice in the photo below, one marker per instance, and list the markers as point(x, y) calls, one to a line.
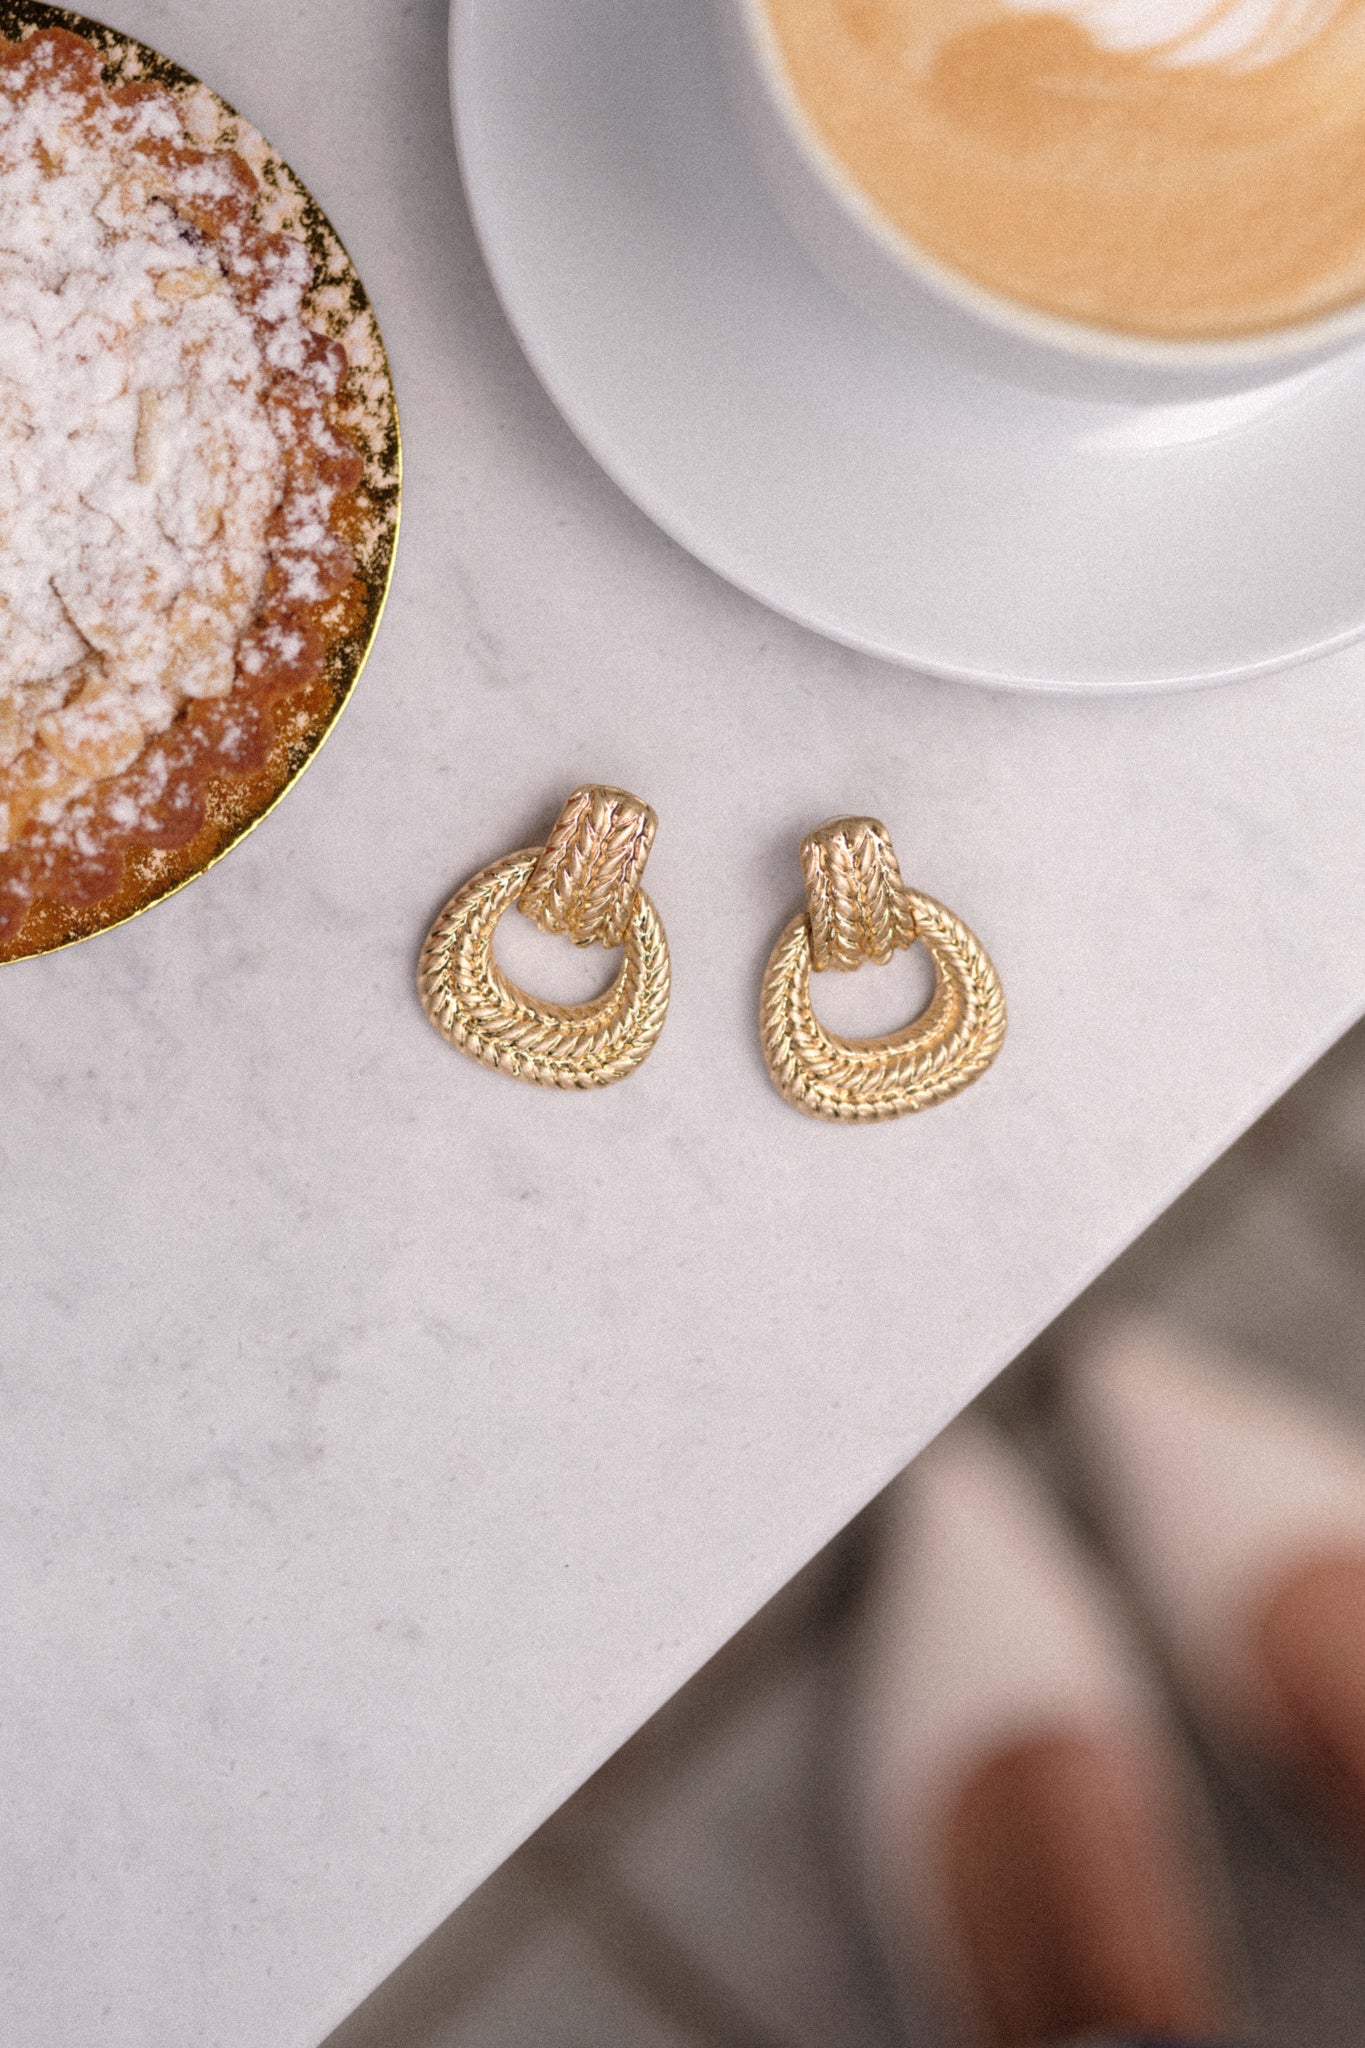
point(177, 489)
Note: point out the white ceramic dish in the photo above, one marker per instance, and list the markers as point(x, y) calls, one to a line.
point(826, 465)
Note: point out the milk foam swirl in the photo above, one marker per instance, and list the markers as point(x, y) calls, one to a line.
point(1175, 169)
point(1238, 34)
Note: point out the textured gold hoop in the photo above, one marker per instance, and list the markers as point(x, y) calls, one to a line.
point(584, 882)
point(859, 909)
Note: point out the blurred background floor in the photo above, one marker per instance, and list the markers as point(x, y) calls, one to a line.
point(694, 1893)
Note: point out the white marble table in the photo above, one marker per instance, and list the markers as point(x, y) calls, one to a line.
point(383, 1441)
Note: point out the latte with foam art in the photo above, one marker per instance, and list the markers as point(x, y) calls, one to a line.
point(1181, 170)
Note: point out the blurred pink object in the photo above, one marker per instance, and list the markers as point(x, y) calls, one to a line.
point(1020, 1804)
point(1236, 1503)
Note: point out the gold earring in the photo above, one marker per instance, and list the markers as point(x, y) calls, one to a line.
point(859, 909)
point(585, 883)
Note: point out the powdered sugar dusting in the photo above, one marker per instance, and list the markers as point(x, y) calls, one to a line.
point(143, 444)
point(215, 189)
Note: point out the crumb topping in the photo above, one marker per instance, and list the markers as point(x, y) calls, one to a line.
point(169, 471)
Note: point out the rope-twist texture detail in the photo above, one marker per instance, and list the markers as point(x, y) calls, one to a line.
point(871, 1080)
point(559, 1045)
point(858, 905)
point(585, 881)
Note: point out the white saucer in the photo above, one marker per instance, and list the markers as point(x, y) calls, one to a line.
point(825, 465)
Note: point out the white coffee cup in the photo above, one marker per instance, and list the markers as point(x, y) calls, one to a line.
point(944, 310)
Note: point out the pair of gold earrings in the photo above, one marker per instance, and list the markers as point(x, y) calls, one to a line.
point(585, 883)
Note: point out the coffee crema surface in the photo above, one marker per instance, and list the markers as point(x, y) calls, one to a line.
point(1171, 169)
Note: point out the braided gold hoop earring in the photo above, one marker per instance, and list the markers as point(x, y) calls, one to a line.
point(858, 909)
point(585, 883)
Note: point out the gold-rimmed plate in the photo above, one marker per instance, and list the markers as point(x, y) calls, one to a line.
point(336, 306)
